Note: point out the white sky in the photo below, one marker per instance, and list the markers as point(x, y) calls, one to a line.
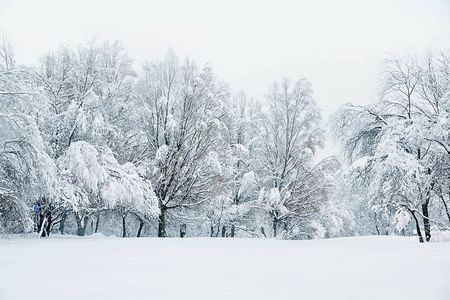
point(336, 45)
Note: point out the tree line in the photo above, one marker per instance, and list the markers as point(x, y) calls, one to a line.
point(87, 144)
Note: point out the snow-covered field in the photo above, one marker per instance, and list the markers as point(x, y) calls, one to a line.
point(96, 268)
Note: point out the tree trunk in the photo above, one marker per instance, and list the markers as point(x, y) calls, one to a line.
point(212, 230)
point(124, 229)
point(97, 222)
point(447, 211)
point(45, 224)
point(162, 223)
point(49, 223)
point(182, 230)
point(224, 231)
point(232, 230)
point(426, 220)
point(42, 225)
point(141, 225)
point(274, 226)
point(81, 230)
point(419, 232)
point(81, 225)
point(445, 206)
point(62, 223)
point(263, 232)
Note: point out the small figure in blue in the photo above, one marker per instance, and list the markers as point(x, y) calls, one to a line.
point(36, 216)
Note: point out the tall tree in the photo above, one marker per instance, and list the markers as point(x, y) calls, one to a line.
point(27, 174)
point(181, 117)
point(89, 88)
point(288, 136)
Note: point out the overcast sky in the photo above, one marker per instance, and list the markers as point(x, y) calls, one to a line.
point(336, 45)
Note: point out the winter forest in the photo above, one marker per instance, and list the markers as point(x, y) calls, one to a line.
point(90, 144)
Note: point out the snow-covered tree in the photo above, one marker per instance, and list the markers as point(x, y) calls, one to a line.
point(181, 116)
point(27, 173)
point(89, 91)
point(126, 192)
point(237, 210)
point(293, 187)
point(399, 145)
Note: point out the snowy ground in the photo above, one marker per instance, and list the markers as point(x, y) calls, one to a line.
point(96, 268)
